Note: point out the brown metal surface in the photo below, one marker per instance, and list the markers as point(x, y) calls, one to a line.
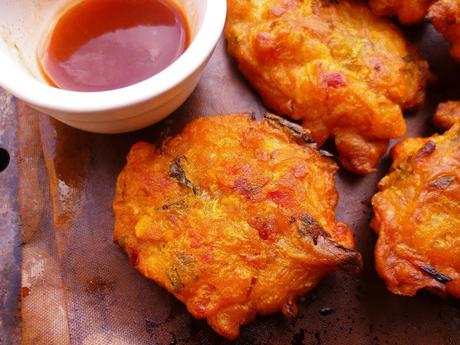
point(78, 286)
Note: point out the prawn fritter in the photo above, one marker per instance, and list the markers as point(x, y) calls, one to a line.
point(407, 11)
point(343, 71)
point(447, 114)
point(445, 17)
point(417, 217)
point(234, 217)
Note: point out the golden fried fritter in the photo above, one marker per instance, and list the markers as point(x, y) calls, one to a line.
point(417, 216)
point(234, 217)
point(445, 17)
point(343, 71)
point(447, 114)
point(407, 11)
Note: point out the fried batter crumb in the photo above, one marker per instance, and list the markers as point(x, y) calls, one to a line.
point(344, 72)
point(417, 216)
point(407, 11)
point(234, 217)
point(447, 114)
point(445, 17)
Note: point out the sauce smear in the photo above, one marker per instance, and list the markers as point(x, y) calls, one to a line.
point(100, 45)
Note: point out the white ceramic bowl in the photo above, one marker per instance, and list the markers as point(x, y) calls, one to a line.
point(25, 23)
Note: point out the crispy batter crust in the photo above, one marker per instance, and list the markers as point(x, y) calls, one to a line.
point(417, 216)
point(447, 114)
point(445, 17)
point(343, 71)
point(234, 217)
point(407, 11)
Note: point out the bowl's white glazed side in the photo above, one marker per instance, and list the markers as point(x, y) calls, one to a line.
point(25, 23)
point(133, 117)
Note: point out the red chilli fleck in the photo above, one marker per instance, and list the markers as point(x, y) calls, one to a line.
point(277, 11)
point(265, 46)
point(334, 80)
point(133, 257)
point(245, 188)
point(195, 244)
point(264, 226)
point(280, 197)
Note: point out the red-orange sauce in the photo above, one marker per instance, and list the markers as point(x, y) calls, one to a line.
point(100, 45)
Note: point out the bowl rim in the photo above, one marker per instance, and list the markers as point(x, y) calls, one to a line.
point(27, 88)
